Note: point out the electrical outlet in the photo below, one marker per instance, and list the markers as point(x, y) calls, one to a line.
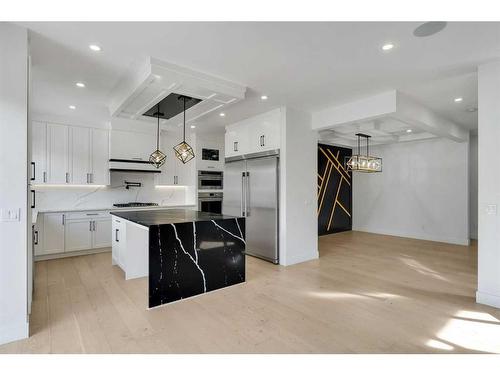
point(10, 214)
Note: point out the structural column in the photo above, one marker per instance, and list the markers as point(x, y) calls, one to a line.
point(488, 291)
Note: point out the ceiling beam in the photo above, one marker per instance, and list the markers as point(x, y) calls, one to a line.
point(390, 104)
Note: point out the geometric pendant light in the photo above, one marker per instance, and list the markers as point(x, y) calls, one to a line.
point(183, 151)
point(363, 163)
point(158, 158)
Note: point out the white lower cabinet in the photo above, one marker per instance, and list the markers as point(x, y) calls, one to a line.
point(77, 235)
point(101, 233)
point(118, 240)
point(60, 233)
point(53, 234)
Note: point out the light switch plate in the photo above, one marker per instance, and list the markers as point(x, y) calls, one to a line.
point(491, 209)
point(10, 214)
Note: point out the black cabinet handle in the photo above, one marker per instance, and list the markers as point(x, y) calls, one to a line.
point(33, 200)
point(33, 171)
point(36, 237)
point(235, 147)
point(263, 140)
point(116, 235)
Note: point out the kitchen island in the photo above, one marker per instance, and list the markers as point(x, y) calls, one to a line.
point(183, 252)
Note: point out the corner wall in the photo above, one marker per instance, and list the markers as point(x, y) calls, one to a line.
point(298, 163)
point(421, 193)
point(488, 289)
point(13, 181)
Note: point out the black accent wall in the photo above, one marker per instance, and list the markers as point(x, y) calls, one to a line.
point(334, 190)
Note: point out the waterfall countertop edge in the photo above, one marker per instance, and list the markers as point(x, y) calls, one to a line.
point(149, 218)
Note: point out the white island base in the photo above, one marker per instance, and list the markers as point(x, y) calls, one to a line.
point(130, 249)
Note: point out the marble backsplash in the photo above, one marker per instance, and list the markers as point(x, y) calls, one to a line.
point(49, 198)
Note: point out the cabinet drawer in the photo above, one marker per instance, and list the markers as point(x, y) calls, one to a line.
point(91, 215)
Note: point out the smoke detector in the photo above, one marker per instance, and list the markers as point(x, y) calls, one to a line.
point(429, 28)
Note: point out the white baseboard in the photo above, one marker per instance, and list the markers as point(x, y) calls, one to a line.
point(14, 333)
point(488, 299)
point(453, 240)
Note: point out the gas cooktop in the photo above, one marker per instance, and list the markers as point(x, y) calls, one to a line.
point(135, 204)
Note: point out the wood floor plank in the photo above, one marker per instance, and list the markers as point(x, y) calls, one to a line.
point(366, 294)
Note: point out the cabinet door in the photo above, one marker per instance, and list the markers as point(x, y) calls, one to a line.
point(168, 170)
point(53, 233)
point(39, 151)
point(78, 235)
point(100, 157)
point(186, 173)
point(132, 145)
point(38, 235)
point(80, 155)
point(231, 136)
point(101, 234)
point(57, 154)
point(270, 126)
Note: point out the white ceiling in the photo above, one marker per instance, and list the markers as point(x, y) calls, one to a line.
point(306, 65)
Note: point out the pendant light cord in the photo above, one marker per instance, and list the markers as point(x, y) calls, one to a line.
point(184, 100)
point(158, 130)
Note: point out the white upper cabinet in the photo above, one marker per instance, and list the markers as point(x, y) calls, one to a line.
point(127, 145)
point(57, 154)
point(64, 154)
point(80, 155)
point(99, 173)
point(256, 134)
point(39, 152)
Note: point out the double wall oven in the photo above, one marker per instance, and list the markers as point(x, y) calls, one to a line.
point(210, 185)
point(210, 180)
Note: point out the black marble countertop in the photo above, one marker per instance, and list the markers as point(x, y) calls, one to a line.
point(148, 218)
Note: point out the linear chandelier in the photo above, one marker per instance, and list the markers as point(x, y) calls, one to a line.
point(363, 163)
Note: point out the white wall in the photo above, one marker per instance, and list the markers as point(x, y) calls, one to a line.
point(473, 186)
point(298, 185)
point(421, 193)
point(13, 181)
point(488, 290)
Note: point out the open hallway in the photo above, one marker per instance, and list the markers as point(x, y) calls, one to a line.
point(366, 294)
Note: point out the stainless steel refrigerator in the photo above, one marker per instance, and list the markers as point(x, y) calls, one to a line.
point(251, 190)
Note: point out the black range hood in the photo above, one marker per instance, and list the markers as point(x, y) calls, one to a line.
point(132, 166)
point(171, 106)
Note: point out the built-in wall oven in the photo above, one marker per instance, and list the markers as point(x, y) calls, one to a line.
point(210, 180)
point(210, 202)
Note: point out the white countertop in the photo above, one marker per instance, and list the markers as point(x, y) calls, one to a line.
point(115, 208)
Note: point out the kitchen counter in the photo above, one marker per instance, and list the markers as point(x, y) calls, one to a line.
point(183, 252)
point(168, 216)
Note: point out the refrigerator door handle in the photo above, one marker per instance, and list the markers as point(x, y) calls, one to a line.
point(242, 193)
point(247, 195)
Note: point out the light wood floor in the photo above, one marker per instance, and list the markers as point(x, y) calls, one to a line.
point(366, 294)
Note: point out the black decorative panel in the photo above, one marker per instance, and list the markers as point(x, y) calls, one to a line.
point(186, 259)
point(334, 190)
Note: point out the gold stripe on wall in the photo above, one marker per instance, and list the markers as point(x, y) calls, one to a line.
point(326, 186)
point(334, 204)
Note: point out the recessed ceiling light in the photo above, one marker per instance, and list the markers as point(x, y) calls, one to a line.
point(408, 130)
point(95, 47)
point(72, 107)
point(80, 84)
point(429, 28)
point(263, 97)
point(222, 114)
point(458, 100)
point(193, 126)
point(387, 47)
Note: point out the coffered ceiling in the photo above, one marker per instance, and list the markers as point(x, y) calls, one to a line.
point(306, 65)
